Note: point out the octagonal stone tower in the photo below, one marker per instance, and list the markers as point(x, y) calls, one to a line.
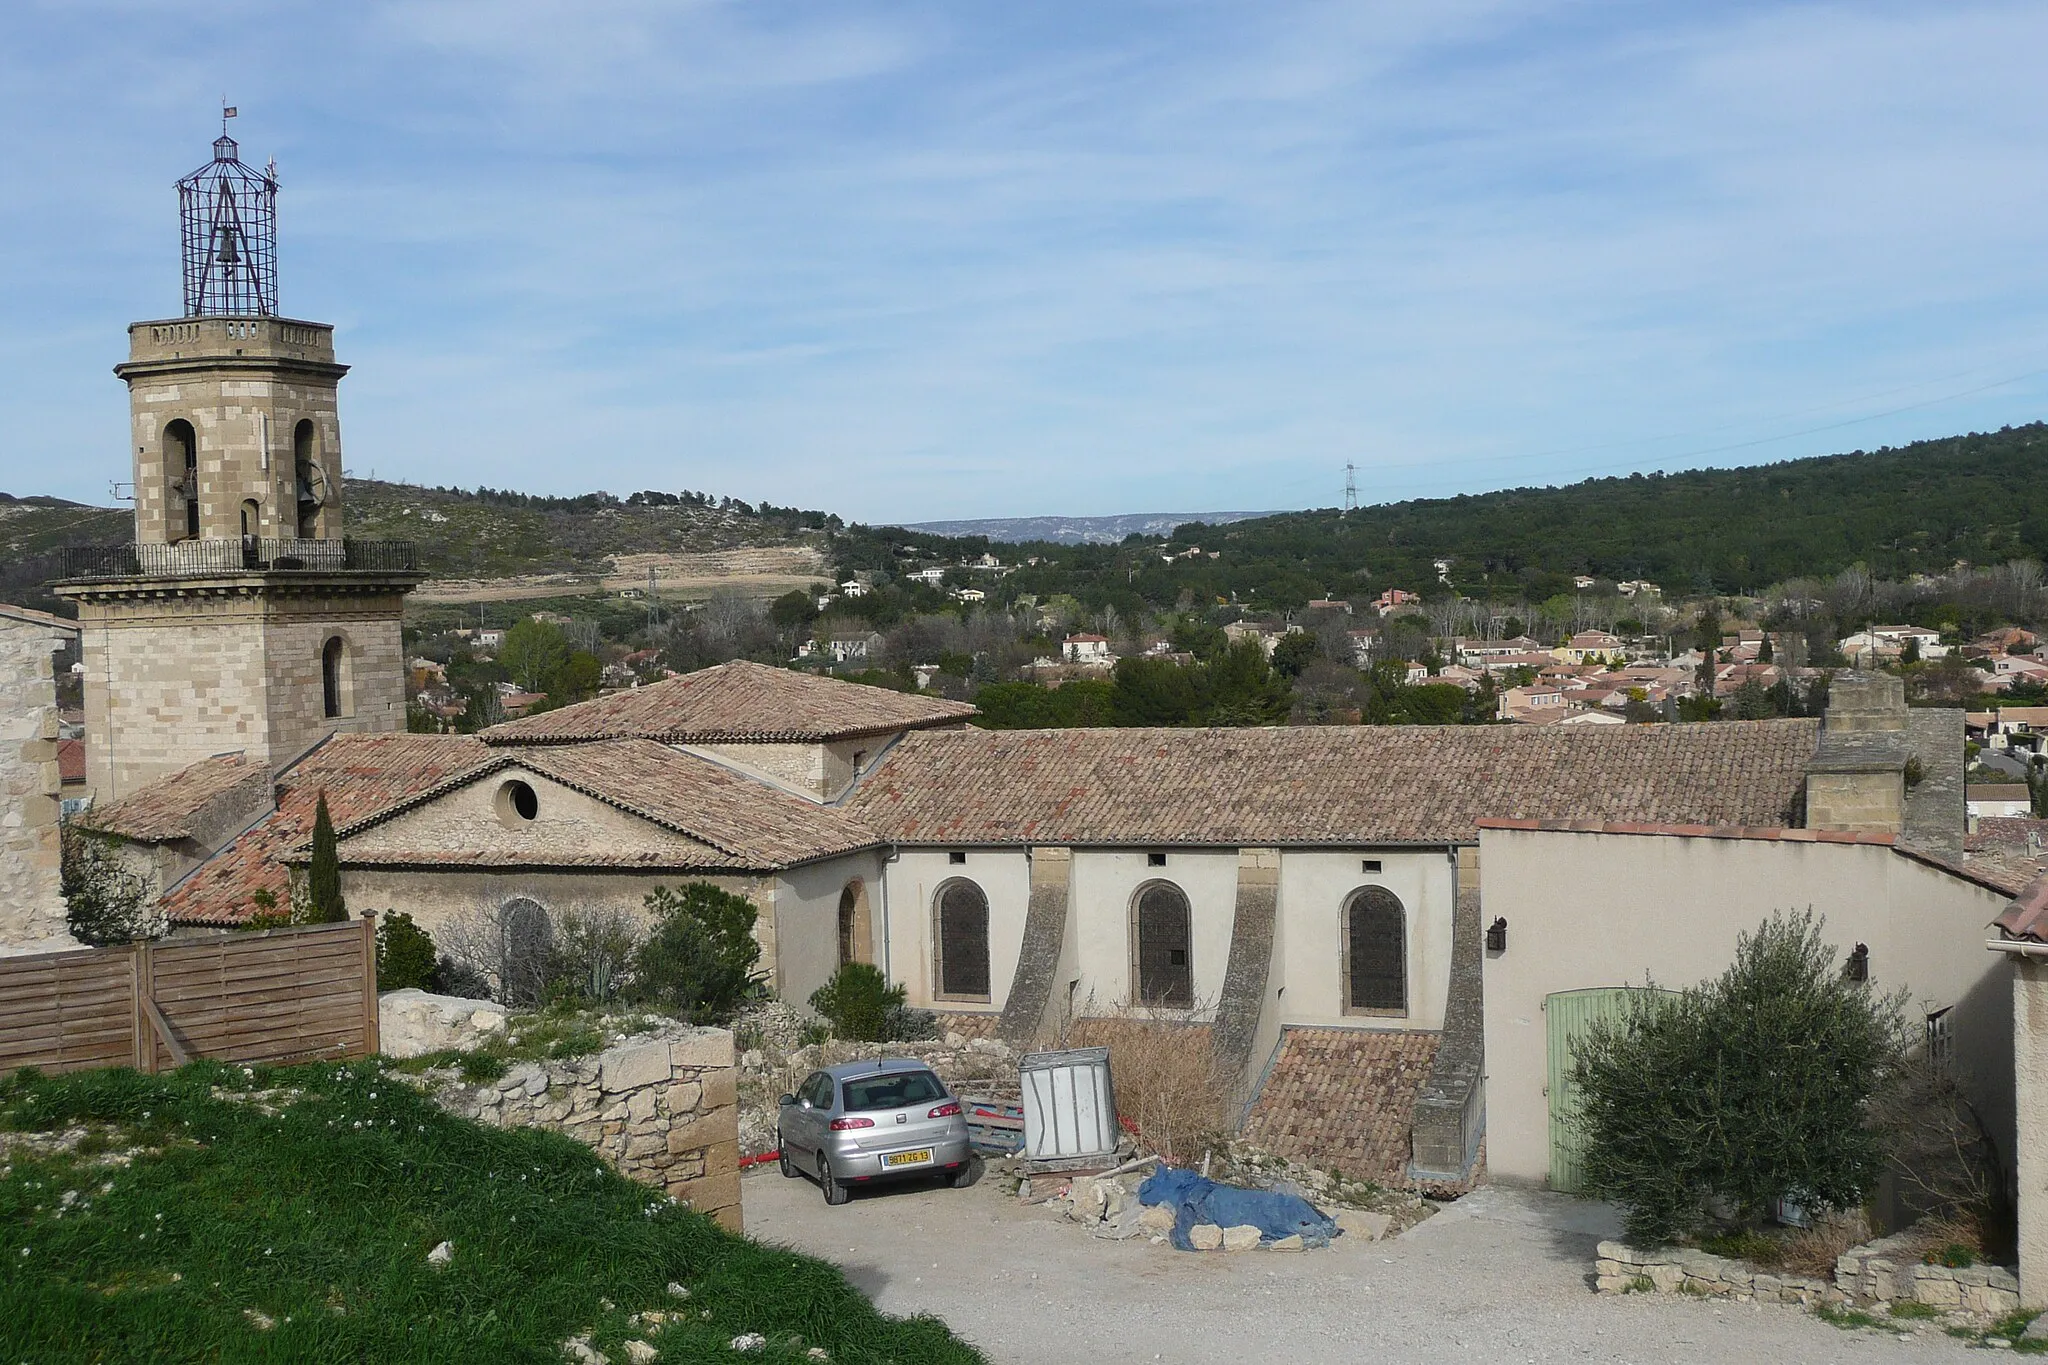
point(240, 618)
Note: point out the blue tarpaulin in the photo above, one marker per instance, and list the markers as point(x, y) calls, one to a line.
point(1198, 1200)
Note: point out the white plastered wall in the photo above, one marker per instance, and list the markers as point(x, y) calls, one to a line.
point(1587, 910)
point(914, 879)
point(1314, 887)
point(807, 920)
point(1105, 882)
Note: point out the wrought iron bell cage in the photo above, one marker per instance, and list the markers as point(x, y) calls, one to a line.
point(228, 214)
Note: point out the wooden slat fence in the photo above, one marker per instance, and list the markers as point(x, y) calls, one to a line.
point(299, 994)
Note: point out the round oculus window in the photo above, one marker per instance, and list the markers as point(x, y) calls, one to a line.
point(517, 803)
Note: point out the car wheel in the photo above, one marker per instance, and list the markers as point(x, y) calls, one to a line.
point(789, 1170)
point(835, 1193)
point(963, 1177)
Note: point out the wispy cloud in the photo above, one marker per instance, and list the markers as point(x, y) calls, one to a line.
point(914, 260)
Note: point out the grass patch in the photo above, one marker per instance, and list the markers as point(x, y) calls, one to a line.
point(1914, 1309)
point(1845, 1318)
point(1641, 1284)
point(550, 1035)
point(1745, 1244)
point(318, 1219)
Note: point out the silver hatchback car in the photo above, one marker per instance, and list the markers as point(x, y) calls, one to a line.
point(866, 1121)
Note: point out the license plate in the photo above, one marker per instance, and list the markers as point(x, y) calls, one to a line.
point(922, 1157)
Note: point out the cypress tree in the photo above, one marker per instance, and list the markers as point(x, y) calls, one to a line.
point(323, 877)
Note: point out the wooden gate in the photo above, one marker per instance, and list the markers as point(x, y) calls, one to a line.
point(282, 995)
point(1567, 1016)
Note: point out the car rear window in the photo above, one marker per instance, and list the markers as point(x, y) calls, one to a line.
point(893, 1091)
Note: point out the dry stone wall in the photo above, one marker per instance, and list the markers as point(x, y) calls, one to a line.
point(1878, 1273)
point(662, 1108)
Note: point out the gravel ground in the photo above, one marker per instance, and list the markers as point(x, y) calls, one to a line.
point(1501, 1275)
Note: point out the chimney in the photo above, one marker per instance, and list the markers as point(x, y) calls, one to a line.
point(1856, 780)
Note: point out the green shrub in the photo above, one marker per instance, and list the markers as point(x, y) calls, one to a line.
point(591, 957)
point(1955, 1256)
point(859, 1001)
point(1913, 1308)
point(1754, 1087)
point(105, 904)
point(405, 954)
point(1744, 1244)
point(698, 963)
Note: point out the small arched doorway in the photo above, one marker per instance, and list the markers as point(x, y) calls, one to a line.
point(854, 942)
point(526, 939)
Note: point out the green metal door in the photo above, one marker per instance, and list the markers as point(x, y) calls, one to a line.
point(1567, 1016)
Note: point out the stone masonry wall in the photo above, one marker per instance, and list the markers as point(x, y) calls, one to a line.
point(663, 1109)
point(176, 677)
point(1880, 1273)
point(31, 896)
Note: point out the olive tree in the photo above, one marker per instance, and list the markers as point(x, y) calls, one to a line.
point(1751, 1088)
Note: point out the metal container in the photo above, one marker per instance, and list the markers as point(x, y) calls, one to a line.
point(1069, 1104)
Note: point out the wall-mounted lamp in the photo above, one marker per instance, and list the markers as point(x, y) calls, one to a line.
point(1857, 968)
point(1497, 936)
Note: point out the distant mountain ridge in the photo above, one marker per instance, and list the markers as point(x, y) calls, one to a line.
point(1076, 530)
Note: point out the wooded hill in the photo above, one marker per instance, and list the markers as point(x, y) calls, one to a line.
point(1915, 509)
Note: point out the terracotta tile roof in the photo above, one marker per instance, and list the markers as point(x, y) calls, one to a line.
point(1344, 1098)
point(2027, 916)
point(746, 825)
point(164, 811)
point(2011, 850)
point(1327, 784)
point(71, 760)
point(359, 773)
point(738, 701)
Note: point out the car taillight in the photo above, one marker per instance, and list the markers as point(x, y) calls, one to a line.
point(841, 1125)
point(945, 1111)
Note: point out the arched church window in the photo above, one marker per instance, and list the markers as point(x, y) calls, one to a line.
point(1375, 953)
point(331, 660)
point(961, 909)
point(181, 475)
point(1162, 952)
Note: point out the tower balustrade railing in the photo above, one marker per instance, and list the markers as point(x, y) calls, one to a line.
point(251, 554)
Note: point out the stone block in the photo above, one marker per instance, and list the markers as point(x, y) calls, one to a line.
point(644, 1144)
point(1156, 1218)
point(632, 1065)
point(1612, 1251)
point(1941, 1293)
point(730, 1219)
point(1291, 1242)
point(640, 1107)
point(720, 1125)
point(1364, 1224)
point(1205, 1236)
point(711, 1047)
point(681, 1098)
point(709, 1193)
point(1990, 1301)
point(1664, 1276)
point(1242, 1237)
point(720, 1089)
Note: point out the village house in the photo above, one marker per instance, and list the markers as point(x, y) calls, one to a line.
point(1591, 646)
point(1085, 648)
point(1393, 600)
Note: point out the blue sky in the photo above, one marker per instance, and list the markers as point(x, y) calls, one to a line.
point(911, 260)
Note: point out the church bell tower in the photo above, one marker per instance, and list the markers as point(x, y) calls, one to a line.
point(240, 618)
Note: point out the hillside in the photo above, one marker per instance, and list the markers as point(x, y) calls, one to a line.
point(1914, 509)
point(1077, 530)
